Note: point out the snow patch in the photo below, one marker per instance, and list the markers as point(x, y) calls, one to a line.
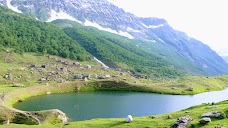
point(152, 41)
point(132, 30)
point(161, 40)
point(88, 23)
point(12, 7)
point(205, 66)
point(61, 15)
point(37, 18)
point(105, 66)
point(153, 26)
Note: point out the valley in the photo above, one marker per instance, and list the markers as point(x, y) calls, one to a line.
point(50, 48)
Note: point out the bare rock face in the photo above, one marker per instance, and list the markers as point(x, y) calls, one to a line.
point(182, 122)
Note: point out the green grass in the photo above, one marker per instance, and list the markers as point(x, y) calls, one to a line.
point(169, 86)
point(153, 121)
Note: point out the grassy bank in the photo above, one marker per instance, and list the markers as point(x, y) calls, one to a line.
point(153, 121)
point(198, 84)
point(19, 67)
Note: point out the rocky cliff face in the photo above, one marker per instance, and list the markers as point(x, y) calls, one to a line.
point(106, 16)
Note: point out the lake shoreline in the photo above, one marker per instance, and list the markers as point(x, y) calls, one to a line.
point(18, 95)
point(14, 96)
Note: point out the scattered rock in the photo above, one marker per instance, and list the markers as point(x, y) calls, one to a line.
point(17, 85)
point(190, 89)
point(211, 114)
point(33, 66)
point(43, 79)
point(94, 76)
point(85, 79)
point(48, 93)
point(205, 120)
point(182, 122)
point(88, 66)
point(174, 88)
point(170, 117)
point(121, 74)
point(124, 78)
point(6, 122)
point(214, 106)
point(186, 111)
point(129, 119)
point(101, 77)
point(79, 76)
point(107, 76)
point(43, 66)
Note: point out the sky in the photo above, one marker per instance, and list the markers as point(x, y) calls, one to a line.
point(205, 20)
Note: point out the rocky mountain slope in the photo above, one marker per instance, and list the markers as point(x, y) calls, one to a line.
point(225, 58)
point(108, 17)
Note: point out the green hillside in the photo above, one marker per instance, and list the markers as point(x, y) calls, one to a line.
point(28, 35)
point(159, 53)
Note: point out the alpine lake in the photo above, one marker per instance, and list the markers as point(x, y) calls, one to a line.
point(111, 104)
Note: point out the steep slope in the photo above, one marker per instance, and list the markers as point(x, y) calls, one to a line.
point(225, 58)
point(106, 16)
point(115, 54)
point(28, 35)
point(150, 51)
point(197, 52)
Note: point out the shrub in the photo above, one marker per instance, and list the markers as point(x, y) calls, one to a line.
point(222, 115)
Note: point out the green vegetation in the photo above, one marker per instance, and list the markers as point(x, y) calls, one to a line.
point(159, 53)
point(116, 52)
point(16, 62)
point(153, 121)
point(26, 45)
point(27, 35)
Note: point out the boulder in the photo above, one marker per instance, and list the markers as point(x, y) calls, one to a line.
point(214, 106)
point(211, 114)
point(17, 85)
point(107, 76)
point(88, 66)
point(129, 119)
point(6, 122)
point(79, 76)
point(205, 120)
point(182, 122)
point(48, 93)
point(170, 117)
point(190, 89)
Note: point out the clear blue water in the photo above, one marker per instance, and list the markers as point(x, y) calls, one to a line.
point(89, 105)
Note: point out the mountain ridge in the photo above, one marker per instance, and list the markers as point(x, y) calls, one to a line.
point(108, 17)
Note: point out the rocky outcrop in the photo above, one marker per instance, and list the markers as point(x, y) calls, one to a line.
point(205, 120)
point(31, 118)
point(182, 122)
point(211, 114)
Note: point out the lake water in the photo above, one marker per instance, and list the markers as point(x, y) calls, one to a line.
point(89, 105)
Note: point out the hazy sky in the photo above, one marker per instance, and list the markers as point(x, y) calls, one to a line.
point(205, 20)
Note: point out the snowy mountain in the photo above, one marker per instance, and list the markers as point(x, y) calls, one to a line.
point(108, 17)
